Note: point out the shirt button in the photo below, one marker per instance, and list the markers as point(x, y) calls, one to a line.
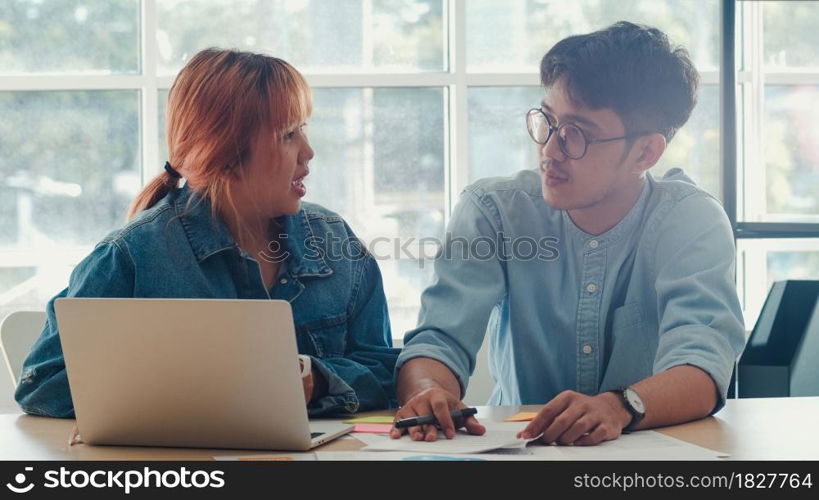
point(587, 349)
point(594, 244)
point(283, 281)
point(591, 288)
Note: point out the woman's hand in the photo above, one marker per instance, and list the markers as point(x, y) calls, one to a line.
point(307, 384)
point(306, 370)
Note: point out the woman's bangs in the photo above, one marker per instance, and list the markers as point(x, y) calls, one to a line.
point(291, 102)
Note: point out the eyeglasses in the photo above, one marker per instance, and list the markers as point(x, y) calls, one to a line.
point(571, 139)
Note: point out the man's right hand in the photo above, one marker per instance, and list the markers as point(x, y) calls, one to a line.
point(439, 402)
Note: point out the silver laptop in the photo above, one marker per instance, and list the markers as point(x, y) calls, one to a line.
point(187, 372)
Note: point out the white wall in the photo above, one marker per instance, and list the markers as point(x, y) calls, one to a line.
point(480, 383)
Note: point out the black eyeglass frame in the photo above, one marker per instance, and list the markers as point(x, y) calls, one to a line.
point(552, 129)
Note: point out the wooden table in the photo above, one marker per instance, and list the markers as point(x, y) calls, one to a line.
point(746, 429)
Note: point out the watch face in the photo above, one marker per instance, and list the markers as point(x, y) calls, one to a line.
point(635, 401)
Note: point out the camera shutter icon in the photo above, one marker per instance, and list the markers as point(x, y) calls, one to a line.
point(20, 478)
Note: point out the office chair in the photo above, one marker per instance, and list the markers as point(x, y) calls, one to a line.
point(18, 331)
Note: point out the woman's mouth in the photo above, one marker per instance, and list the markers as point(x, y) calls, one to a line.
point(299, 187)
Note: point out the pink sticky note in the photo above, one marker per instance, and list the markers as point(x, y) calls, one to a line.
point(372, 428)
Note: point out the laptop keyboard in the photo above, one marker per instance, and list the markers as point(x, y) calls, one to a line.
point(314, 435)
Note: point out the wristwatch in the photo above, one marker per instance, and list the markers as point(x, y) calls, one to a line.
point(634, 405)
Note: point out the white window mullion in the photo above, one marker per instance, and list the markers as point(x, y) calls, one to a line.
point(752, 255)
point(792, 78)
point(448, 35)
point(503, 79)
point(358, 80)
point(71, 82)
point(754, 173)
point(367, 35)
point(754, 284)
point(458, 105)
point(365, 191)
point(150, 107)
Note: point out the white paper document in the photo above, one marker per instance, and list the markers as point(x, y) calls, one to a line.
point(643, 445)
point(352, 456)
point(368, 438)
point(268, 457)
point(461, 443)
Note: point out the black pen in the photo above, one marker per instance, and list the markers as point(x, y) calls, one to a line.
point(430, 419)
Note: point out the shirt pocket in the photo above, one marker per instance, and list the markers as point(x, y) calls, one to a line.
point(326, 338)
point(634, 347)
point(627, 315)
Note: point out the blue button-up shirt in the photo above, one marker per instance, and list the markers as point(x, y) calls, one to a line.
point(177, 249)
point(567, 310)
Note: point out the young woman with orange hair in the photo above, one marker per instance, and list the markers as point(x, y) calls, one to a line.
point(237, 228)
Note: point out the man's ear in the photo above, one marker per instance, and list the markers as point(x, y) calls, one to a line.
point(650, 148)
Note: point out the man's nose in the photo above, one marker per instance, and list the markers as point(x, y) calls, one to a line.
point(551, 149)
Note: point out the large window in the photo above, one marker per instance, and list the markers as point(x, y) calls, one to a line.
point(414, 99)
point(778, 182)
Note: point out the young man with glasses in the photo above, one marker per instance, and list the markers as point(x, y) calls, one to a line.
point(627, 315)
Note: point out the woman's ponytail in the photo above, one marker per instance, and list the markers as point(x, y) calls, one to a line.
point(157, 189)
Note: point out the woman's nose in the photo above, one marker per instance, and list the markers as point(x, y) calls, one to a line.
point(307, 151)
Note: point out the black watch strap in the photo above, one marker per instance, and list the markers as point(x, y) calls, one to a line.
point(637, 414)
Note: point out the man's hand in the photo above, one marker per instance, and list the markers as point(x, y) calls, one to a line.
point(439, 402)
point(574, 418)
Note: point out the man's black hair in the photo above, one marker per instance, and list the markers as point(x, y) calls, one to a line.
point(630, 69)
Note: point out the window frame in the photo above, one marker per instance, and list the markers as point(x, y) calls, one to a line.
point(744, 160)
point(742, 96)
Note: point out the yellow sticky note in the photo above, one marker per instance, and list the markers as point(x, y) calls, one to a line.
point(522, 417)
point(370, 420)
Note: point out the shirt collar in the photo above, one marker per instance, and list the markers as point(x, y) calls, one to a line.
point(623, 228)
point(208, 235)
point(305, 257)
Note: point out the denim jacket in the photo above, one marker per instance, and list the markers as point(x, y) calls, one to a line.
point(177, 249)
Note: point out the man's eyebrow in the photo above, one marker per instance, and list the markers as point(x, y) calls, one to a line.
point(573, 118)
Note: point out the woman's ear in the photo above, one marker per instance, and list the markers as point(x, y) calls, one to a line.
point(651, 148)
